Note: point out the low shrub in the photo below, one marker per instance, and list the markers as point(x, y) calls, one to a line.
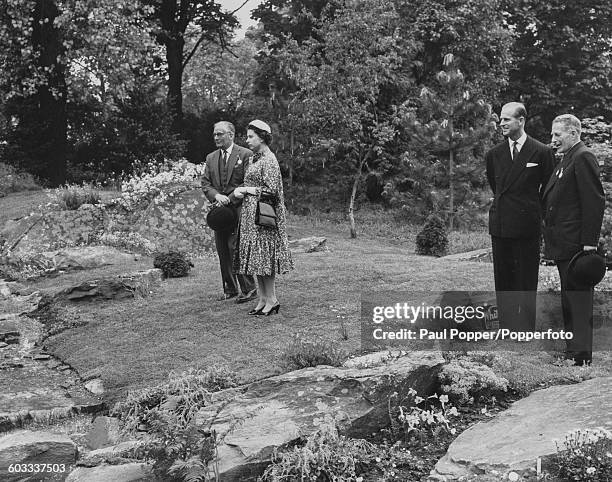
point(301, 353)
point(326, 455)
point(464, 379)
point(173, 264)
point(180, 449)
point(433, 238)
point(71, 196)
point(12, 180)
point(586, 455)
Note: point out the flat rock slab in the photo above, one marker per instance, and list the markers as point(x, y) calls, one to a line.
point(514, 439)
point(33, 391)
point(482, 255)
point(274, 412)
point(312, 244)
point(85, 257)
point(26, 447)
point(115, 473)
point(116, 287)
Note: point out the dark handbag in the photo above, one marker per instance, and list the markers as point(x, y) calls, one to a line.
point(265, 215)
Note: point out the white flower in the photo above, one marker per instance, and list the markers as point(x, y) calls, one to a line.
point(443, 398)
point(591, 470)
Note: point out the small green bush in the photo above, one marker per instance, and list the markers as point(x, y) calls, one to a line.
point(302, 353)
point(586, 455)
point(463, 379)
point(433, 238)
point(328, 456)
point(71, 196)
point(12, 180)
point(173, 264)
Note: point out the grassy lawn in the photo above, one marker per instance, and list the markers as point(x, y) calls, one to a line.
point(135, 343)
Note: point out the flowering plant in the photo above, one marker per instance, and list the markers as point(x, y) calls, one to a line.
point(585, 455)
point(420, 414)
point(159, 182)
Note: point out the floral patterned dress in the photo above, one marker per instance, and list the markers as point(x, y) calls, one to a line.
point(263, 251)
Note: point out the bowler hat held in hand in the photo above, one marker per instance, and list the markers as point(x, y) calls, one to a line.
point(222, 217)
point(587, 268)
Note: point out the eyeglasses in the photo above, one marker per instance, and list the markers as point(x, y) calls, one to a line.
point(219, 134)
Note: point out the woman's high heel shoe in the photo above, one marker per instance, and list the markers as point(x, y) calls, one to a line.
point(255, 311)
point(274, 309)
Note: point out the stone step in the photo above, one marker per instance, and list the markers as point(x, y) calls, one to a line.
point(36, 392)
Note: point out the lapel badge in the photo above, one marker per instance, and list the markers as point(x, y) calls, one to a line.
point(238, 162)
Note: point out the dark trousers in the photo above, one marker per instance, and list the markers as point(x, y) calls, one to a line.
point(225, 242)
point(577, 306)
point(516, 264)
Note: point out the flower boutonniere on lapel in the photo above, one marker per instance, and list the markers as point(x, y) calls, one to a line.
point(238, 162)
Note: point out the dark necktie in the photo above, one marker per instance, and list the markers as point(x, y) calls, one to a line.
point(515, 151)
point(223, 158)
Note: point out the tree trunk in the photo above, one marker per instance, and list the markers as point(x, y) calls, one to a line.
point(451, 162)
point(174, 57)
point(351, 208)
point(291, 149)
point(50, 127)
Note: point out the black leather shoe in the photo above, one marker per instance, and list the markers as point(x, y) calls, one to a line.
point(255, 312)
point(244, 297)
point(226, 296)
point(272, 310)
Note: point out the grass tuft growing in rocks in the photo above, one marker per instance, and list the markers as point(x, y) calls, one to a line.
point(301, 353)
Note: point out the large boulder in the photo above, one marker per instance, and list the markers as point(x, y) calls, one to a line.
point(84, 257)
point(275, 412)
point(116, 473)
point(116, 287)
point(26, 447)
point(311, 244)
point(515, 439)
point(178, 223)
point(171, 221)
point(55, 230)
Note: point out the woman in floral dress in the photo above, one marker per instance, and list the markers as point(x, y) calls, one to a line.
point(262, 251)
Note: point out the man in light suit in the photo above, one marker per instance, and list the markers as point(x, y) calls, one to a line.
point(574, 203)
point(223, 173)
point(517, 170)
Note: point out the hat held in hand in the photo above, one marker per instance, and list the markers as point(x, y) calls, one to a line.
point(222, 218)
point(587, 268)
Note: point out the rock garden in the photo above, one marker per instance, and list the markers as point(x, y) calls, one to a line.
point(117, 364)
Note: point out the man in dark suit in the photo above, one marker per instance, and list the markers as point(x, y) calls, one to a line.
point(517, 169)
point(223, 173)
point(574, 205)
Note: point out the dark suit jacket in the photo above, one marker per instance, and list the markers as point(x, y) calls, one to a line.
point(517, 187)
point(574, 205)
point(211, 181)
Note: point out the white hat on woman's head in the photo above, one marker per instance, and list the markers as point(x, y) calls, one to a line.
point(261, 125)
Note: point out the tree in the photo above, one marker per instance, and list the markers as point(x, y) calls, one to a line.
point(49, 44)
point(351, 75)
point(563, 59)
point(474, 31)
point(449, 120)
point(187, 23)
